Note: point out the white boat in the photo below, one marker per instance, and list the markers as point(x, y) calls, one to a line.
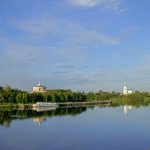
point(45, 104)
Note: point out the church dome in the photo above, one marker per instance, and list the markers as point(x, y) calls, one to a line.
point(39, 88)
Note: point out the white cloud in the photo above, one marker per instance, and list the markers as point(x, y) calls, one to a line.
point(105, 38)
point(87, 3)
point(36, 25)
point(23, 53)
point(72, 32)
point(112, 4)
point(105, 4)
point(128, 31)
point(94, 36)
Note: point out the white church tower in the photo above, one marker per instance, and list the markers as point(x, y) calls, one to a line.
point(125, 91)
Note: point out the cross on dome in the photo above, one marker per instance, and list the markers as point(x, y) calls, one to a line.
point(39, 84)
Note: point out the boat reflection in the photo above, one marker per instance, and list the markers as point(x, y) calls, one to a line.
point(40, 109)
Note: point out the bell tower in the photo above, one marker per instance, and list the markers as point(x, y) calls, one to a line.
point(125, 91)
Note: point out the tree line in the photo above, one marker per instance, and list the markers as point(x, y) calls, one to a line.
point(10, 95)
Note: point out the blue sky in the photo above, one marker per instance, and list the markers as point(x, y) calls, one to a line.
point(84, 45)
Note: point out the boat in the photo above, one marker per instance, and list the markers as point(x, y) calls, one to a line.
point(45, 104)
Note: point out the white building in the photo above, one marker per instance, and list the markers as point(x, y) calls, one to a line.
point(129, 91)
point(39, 88)
point(125, 92)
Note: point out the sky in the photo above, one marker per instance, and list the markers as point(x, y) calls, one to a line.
point(82, 45)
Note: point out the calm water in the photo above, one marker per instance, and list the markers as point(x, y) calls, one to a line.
point(95, 128)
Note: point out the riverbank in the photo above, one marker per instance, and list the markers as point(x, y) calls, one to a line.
point(65, 104)
point(84, 103)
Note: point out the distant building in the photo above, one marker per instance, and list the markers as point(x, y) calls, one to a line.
point(39, 88)
point(129, 91)
point(125, 92)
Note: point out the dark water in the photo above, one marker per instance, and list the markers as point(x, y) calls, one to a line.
point(85, 128)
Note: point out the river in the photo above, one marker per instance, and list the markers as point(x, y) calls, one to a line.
point(81, 128)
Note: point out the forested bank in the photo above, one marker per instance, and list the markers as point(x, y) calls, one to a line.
point(9, 95)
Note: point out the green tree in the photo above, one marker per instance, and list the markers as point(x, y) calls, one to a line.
point(19, 98)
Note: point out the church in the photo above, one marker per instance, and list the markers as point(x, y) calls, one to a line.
point(39, 88)
point(126, 91)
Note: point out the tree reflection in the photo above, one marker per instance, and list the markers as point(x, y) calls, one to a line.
point(7, 115)
point(40, 114)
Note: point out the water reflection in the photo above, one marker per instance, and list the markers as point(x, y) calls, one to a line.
point(127, 108)
point(40, 109)
point(86, 128)
point(38, 115)
point(39, 120)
